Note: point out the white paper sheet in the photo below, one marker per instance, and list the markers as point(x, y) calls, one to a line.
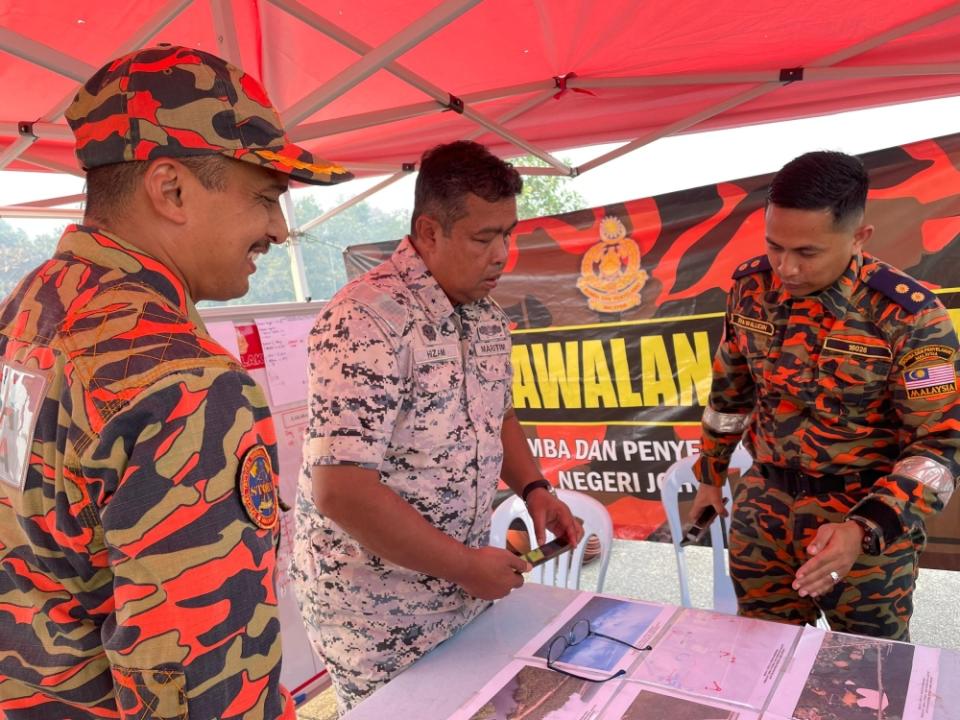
point(533, 692)
point(720, 657)
point(631, 621)
point(225, 333)
point(284, 341)
point(855, 678)
point(641, 702)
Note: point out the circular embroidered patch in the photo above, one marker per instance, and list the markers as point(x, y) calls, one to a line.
point(257, 489)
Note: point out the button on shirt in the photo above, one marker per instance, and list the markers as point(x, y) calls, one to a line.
point(402, 383)
point(823, 379)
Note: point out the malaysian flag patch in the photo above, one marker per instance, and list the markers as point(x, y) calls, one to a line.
point(924, 382)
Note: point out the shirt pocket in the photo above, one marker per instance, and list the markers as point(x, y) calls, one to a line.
point(438, 390)
point(854, 378)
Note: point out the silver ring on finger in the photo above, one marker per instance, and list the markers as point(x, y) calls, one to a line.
point(835, 576)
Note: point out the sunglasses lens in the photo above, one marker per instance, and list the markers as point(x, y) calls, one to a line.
point(579, 631)
point(556, 649)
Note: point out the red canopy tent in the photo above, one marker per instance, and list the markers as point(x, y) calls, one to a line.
point(372, 84)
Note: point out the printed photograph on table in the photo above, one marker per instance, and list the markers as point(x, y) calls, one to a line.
point(720, 657)
point(638, 702)
point(530, 692)
point(599, 632)
point(835, 676)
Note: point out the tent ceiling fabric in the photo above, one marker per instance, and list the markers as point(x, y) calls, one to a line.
point(546, 74)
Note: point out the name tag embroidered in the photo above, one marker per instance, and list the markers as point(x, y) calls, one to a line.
point(494, 347)
point(436, 353)
point(930, 381)
point(752, 324)
point(21, 394)
point(849, 347)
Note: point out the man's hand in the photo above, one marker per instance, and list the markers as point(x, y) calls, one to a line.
point(550, 513)
point(835, 548)
point(489, 573)
point(707, 495)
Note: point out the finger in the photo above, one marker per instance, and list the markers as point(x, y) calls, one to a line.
point(820, 540)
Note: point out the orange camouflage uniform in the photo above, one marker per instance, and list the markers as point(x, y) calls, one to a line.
point(138, 514)
point(854, 385)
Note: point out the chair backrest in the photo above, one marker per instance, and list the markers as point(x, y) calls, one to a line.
point(678, 474)
point(563, 571)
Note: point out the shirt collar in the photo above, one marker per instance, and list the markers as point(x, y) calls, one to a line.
point(836, 298)
point(110, 251)
point(415, 275)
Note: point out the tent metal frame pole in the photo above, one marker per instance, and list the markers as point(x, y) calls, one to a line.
point(355, 200)
point(311, 18)
point(224, 24)
point(755, 92)
point(810, 74)
point(154, 24)
point(377, 58)
point(44, 56)
point(322, 128)
point(298, 269)
point(55, 202)
point(26, 211)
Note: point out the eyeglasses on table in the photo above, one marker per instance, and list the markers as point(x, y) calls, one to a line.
point(577, 633)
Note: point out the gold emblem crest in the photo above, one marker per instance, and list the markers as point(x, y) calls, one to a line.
point(901, 288)
point(610, 272)
point(917, 296)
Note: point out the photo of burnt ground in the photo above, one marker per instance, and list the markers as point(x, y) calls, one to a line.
point(531, 694)
point(856, 678)
point(649, 705)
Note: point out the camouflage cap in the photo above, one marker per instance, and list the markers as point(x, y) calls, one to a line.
point(173, 101)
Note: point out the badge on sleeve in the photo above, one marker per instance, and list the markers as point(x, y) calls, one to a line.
point(258, 493)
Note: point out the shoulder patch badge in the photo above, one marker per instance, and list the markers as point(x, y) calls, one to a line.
point(258, 493)
point(926, 355)
point(931, 381)
point(761, 263)
point(902, 289)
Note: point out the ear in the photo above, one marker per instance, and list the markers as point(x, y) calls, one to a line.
point(860, 237)
point(427, 233)
point(163, 184)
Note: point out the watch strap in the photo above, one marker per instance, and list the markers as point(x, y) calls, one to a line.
point(531, 486)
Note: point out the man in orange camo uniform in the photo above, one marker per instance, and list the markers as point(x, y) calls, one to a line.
point(138, 493)
point(839, 373)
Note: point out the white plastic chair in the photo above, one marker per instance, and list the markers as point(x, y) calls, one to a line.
point(681, 472)
point(562, 571)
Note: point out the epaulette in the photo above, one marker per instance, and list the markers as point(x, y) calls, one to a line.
point(761, 263)
point(380, 304)
point(902, 289)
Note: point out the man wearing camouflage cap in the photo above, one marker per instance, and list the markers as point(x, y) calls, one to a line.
point(138, 493)
point(411, 426)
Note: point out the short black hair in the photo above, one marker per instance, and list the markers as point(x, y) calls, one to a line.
point(110, 187)
point(448, 173)
point(822, 180)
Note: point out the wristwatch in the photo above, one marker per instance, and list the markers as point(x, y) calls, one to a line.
point(872, 543)
point(531, 486)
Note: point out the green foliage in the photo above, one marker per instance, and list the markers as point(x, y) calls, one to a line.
point(322, 246)
point(20, 253)
point(545, 194)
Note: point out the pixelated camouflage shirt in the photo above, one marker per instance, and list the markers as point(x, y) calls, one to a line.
point(403, 383)
point(860, 376)
point(133, 584)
